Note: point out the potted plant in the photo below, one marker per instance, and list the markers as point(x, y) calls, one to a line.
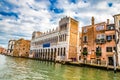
point(98, 54)
point(85, 54)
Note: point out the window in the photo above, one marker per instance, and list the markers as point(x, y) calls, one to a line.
point(110, 27)
point(113, 36)
point(100, 36)
point(85, 39)
point(85, 52)
point(84, 49)
point(63, 26)
point(114, 48)
point(108, 49)
point(58, 51)
point(98, 49)
point(64, 52)
point(119, 23)
point(85, 30)
point(109, 38)
point(61, 52)
point(65, 36)
point(99, 27)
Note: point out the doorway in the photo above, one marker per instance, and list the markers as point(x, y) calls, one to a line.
point(110, 59)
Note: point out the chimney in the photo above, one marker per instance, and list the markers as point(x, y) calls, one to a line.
point(92, 20)
point(108, 21)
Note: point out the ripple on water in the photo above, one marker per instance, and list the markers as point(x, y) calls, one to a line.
point(25, 69)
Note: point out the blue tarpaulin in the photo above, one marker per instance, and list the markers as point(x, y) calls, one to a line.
point(46, 45)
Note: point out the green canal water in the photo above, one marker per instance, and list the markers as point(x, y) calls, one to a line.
point(25, 69)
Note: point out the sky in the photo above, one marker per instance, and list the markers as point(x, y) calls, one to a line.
point(19, 18)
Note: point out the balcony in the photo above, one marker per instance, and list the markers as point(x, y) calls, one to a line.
point(100, 41)
point(98, 53)
point(85, 42)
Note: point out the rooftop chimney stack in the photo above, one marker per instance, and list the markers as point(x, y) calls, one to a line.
point(92, 20)
point(108, 21)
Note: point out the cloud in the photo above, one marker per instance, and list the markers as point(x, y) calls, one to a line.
point(19, 18)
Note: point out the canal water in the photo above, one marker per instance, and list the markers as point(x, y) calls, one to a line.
point(25, 69)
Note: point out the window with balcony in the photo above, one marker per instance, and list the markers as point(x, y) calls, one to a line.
point(100, 39)
point(100, 36)
point(98, 51)
point(85, 51)
point(108, 49)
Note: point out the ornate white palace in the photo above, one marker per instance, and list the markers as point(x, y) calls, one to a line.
point(59, 44)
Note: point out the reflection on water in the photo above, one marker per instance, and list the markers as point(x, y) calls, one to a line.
point(26, 69)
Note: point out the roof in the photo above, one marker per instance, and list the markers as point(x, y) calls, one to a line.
point(116, 15)
point(110, 24)
point(94, 24)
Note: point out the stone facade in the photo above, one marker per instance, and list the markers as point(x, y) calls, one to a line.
point(21, 48)
point(117, 27)
point(10, 47)
point(98, 42)
point(60, 44)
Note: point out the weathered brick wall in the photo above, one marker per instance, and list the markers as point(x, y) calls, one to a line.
point(21, 48)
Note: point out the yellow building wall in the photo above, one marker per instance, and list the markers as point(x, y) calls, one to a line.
point(73, 39)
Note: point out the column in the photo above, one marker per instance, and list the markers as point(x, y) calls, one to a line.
point(51, 54)
point(46, 54)
point(61, 54)
point(42, 54)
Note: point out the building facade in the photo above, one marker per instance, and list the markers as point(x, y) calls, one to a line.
point(98, 42)
point(60, 44)
point(21, 48)
point(117, 27)
point(10, 47)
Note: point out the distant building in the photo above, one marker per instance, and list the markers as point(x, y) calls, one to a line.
point(21, 48)
point(2, 50)
point(117, 27)
point(98, 42)
point(10, 47)
point(60, 44)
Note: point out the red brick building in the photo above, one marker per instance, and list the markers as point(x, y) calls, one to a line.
point(98, 42)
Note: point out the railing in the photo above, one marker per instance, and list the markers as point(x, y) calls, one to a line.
point(100, 41)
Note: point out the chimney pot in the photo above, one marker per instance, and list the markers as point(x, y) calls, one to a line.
point(92, 20)
point(108, 21)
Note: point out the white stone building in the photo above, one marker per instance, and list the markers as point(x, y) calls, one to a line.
point(10, 47)
point(117, 27)
point(60, 44)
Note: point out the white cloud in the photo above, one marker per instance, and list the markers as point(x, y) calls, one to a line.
point(36, 16)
